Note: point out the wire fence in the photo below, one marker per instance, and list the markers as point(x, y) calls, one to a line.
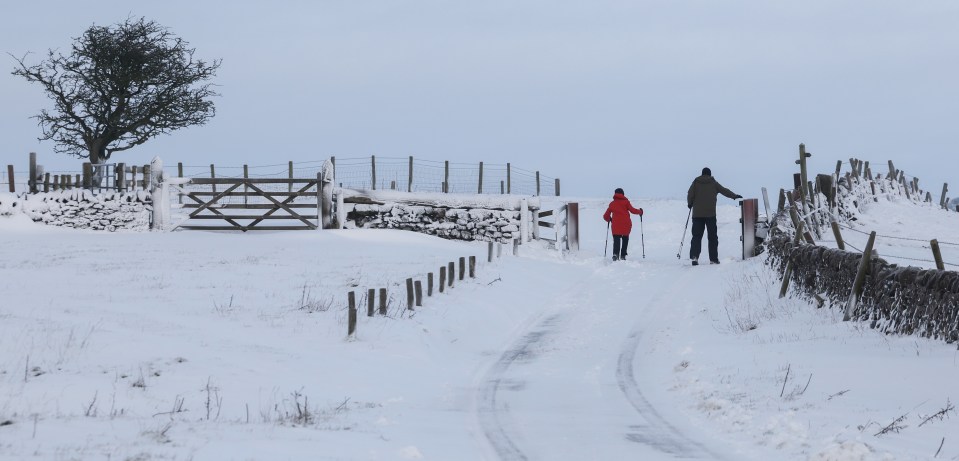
point(397, 173)
point(905, 239)
point(416, 175)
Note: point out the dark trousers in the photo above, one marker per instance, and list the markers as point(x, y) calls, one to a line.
point(620, 242)
point(709, 225)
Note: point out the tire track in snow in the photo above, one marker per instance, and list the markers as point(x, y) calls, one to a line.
point(658, 433)
point(653, 431)
point(494, 416)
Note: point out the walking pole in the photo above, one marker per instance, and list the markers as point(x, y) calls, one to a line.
point(607, 239)
point(679, 255)
point(642, 238)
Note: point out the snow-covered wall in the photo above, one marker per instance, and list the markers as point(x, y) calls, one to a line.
point(895, 299)
point(81, 209)
point(489, 218)
point(451, 223)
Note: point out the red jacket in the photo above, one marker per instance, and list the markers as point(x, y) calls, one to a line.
point(619, 210)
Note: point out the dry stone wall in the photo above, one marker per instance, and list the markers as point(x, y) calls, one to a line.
point(895, 299)
point(482, 224)
point(82, 209)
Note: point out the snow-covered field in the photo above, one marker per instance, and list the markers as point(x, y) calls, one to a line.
point(228, 346)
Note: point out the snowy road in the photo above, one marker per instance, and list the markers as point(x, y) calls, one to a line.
point(572, 383)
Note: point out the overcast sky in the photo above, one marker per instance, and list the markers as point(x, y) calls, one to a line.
point(601, 93)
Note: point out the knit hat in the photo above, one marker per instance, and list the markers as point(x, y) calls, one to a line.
point(619, 190)
point(707, 172)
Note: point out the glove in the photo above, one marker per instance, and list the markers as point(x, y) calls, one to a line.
point(640, 212)
point(690, 205)
point(608, 219)
point(737, 197)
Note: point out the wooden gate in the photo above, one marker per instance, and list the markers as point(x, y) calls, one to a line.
point(245, 203)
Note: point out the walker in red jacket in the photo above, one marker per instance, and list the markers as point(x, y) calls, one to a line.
point(618, 215)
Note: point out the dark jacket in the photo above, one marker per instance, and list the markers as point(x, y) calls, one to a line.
point(702, 196)
point(618, 211)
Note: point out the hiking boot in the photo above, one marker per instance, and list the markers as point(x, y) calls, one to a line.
point(615, 258)
point(695, 262)
point(622, 258)
point(713, 261)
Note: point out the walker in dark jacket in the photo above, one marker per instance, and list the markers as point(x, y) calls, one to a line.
point(617, 213)
point(701, 198)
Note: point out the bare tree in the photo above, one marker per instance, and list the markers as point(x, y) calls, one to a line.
point(119, 87)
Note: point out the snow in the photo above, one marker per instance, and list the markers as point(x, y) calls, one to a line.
point(230, 346)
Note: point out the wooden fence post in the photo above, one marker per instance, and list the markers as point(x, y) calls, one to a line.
point(418, 289)
point(509, 183)
point(502, 187)
point(803, 175)
point(942, 200)
point(860, 278)
point(122, 178)
point(480, 188)
point(450, 268)
point(557, 187)
point(429, 284)
point(787, 273)
point(87, 174)
point(537, 183)
point(446, 176)
point(32, 180)
point(370, 301)
point(212, 176)
point(409, 185)
point(351, 323)
point(290, 185)
point(472, 267)
point(147, 178)
point(179, 173)
point(442, 278)
point(516, 247)
point(12, 183)
point(409, 294)
point(835, 230)
point(46, 182)
point(892, 170)
point(462, 267)
point(499, 247)
point(246, 177)
point(489, 257)
point(936, 254)
point(382, 301)
point(784, 288)
point(782, 200)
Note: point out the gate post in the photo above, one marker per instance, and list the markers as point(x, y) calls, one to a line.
point(750, 214)
point(159, 195)
point(324, 196)
point(572, 226)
